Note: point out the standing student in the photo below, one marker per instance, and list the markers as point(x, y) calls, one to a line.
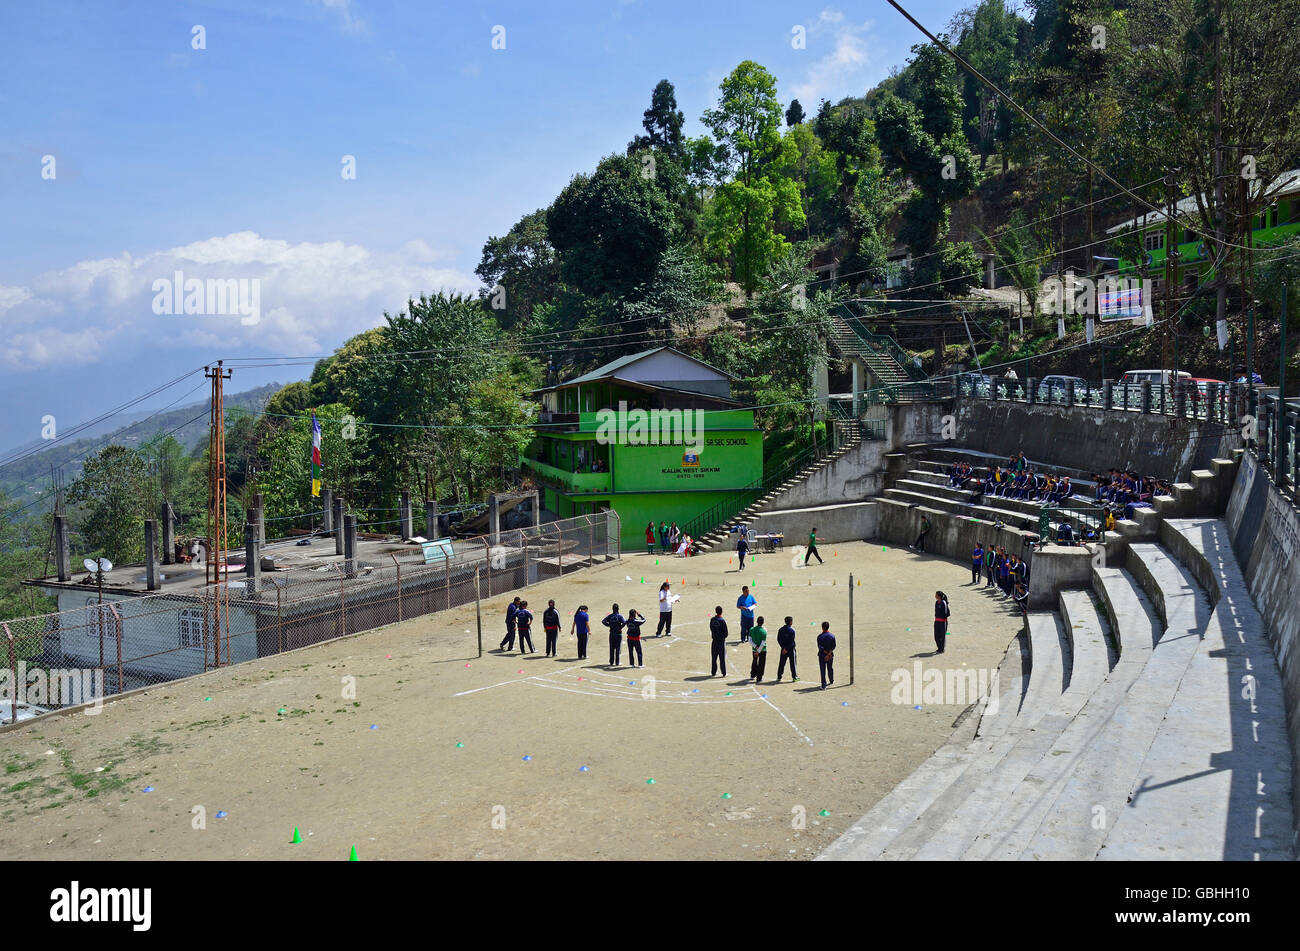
point(1004, 572)
point(785, 639)
point(663, 536)
point(512, 614)
point(666, 599)
point(615, 622)
point(742, 547)
point(746, 604)
point(674, 536)
point(524, 621)
point(812, 548)
point(551, 626)
point(990, 563)
point(941, 615)
point(634, 621)
point(826, 654)
point(919, 544)
point(582, 626)
point(718, 635)
point(976, 563)
point(650, 538)
point(758, 640)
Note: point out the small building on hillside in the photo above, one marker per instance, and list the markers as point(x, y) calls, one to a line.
point(655, 436)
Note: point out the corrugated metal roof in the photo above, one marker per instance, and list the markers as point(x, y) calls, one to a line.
point(609, 369)
point(1285, 184)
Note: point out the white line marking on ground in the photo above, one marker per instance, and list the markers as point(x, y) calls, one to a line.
point(807, 739)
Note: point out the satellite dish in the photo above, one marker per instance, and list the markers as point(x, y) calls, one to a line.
point(90, 564)
point(106, 564)
point(98, 564)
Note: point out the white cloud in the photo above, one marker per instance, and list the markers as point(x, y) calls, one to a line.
point(845, 69)
point(312, 297)
point(350, 23)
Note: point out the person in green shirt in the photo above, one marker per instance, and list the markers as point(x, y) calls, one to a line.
point(758, 640)
point(812, 548)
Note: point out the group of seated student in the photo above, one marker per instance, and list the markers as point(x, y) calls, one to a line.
point(1127, 490)
point(1027, 484)
point(959, 473)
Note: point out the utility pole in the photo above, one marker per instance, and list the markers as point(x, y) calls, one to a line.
point(1221, 286)
point(1171, 274)
point(216, 614)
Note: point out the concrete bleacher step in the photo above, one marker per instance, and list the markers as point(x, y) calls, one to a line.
point(869, 837)
point(950, 454)
point(948, 825)
point(1078, 510)
point(1014, 820)
point(1107, 770)
point(1215, 782)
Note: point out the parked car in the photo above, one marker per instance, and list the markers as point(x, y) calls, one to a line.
point(1053, 389)
point(1129, 387)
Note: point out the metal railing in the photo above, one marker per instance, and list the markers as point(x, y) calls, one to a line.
point(87, 653)
point(1213, 402)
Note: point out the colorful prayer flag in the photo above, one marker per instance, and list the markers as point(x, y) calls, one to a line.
point(316, 466)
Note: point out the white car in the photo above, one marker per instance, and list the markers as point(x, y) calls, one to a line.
point(1053, 389)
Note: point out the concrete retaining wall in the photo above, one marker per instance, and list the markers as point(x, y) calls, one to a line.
point(853, 522)
point(1092, 439)
point(1264, 526)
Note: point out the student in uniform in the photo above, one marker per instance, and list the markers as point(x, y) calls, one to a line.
point(941, 615)
point(1021, 597)
point(674, 536)
point(666, 598)
point(663, 537)
point(826, 654)
point(615, 622)
point(742, 547)
point(758, 640)
point(785, 639)
point(919, 544)
point(990, 564)
point(524, 621)
point(650, 539)
point(1004, 574)
point(718, 634)
point(812, 548)
point(634, 621)
point(746, 604)
point(551, 626)
point(976, 563)
point(512, 613)
point(582, 626)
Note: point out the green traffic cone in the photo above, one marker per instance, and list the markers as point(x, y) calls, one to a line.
point(353, 856)
point(781, 583)
point(643, 579)
point(297, 839)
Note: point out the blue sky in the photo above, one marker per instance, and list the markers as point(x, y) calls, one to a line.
point(225, 162)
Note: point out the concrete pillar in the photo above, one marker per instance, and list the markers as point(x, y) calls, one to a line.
point(62, 558)
point(1107, 394)
point(1180, 399)
point(261, 518)
point(252, 556)
point(1069, 392)
point(405, 515)
point(1211, 402)
point(494, 519)
point(1146, 396)
point(1031, 390)
point(537, 508)
point(431, 519)
point(857, 386)
point(151, 580)
point(168, 517)
point(340, 523)
point(350, 545)
point(326, 510)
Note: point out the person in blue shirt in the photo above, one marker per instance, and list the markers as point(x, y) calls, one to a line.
point(1065, 534)
point(826, 654)
point(615, 622)
point(634, 621)
point(976, 563)
point(742, 547)
point(524, 621)
point(718, 636)
point(746, 604)
point(582, 625)
point(512, 614)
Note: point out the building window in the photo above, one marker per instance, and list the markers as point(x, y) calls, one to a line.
point(190, 621)
point(1154, 240)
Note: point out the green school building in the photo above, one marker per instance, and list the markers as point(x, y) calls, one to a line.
point(660, 430)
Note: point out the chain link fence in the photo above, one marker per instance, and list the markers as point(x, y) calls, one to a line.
point(77, 656)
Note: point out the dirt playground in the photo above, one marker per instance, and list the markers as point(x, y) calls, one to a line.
point(406, 744)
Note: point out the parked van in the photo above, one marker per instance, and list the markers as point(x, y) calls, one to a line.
point(1155, 377)
point(1128, 391)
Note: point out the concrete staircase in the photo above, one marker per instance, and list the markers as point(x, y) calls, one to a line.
point(849, 344)
point(1132, 738)
point(721, 536)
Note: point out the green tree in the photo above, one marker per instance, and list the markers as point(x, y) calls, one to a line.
point(524, 263)
point(111, 500)
point(794, 114)
point(761, 196)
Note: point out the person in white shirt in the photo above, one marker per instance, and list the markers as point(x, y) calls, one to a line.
point(666, 599)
